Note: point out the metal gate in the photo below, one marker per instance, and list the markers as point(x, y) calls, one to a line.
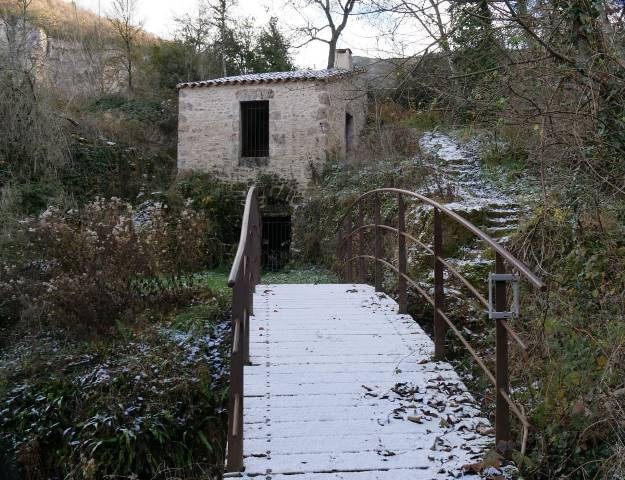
point(276, 238)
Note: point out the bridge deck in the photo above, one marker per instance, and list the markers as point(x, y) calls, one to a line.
point(343, 387)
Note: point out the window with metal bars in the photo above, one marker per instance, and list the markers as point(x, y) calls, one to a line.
point(276, 241)
point(255, 129)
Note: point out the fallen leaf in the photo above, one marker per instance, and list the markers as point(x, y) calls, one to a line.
point(473, 468)
point(484, 429)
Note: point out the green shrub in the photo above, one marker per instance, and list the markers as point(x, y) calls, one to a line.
point(34, 197)
point(423, 120)
point(576, 338)
point(100, 169)
point(512, 156)
point(223, 202)
point(130, 407)
point(220, 201)
point(144, 110)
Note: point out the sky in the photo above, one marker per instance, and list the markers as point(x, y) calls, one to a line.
point(360, 36)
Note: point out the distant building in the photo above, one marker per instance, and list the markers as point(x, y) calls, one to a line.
point(287, 123)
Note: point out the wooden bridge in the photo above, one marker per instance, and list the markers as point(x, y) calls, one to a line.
point(338, 382)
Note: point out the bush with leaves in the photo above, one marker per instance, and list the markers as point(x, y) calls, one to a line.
point(576, 337)
point(89, 268)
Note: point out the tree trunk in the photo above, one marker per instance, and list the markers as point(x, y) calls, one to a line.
point(332, 51)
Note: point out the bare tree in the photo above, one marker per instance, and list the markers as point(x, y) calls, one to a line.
point(220, 19)
point(195, 29)
point(336, 12)
point(123, 18)
point(208, 27)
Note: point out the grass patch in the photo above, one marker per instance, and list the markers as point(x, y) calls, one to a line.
point(505, 161)
point(309, 275)
point(217, 280)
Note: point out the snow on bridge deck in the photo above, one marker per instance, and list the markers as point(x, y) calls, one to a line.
point(341, 386)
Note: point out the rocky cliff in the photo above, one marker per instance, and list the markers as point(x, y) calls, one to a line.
point(71, 51)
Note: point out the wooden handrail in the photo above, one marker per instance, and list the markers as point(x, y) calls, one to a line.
point(250, 201)
point(500, 380)
point(244, 276)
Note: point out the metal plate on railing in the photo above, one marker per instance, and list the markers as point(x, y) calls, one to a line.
point(513, 279)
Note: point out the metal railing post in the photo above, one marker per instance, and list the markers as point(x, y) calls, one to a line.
point(502, 412)
point(401, 255)
point(439, 288)
point(377, 244)
point(362, 268)
point(348, 247)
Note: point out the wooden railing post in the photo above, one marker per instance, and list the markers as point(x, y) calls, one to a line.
point(362, 268)
point(440, 329)
point(502, 412)
point(247, 307)
point(340, 249)
point(348, 248)
point(377, 244)
point(235, 394)
point(401, 255)
point(256, 243)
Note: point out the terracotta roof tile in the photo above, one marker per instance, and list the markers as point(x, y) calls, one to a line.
point(296, 75)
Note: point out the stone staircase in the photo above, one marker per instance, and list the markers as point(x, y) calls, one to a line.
point(456, 168)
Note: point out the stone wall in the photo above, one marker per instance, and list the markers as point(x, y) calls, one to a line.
point(346, 97)
point(306, 127)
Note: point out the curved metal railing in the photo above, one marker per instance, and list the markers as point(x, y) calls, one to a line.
point(497, 286)
point(244, 276)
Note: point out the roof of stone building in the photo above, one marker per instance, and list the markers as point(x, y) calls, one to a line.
point(272, 77)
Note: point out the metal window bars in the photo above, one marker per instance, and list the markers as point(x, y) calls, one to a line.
point(255, 129)
point(276, 239)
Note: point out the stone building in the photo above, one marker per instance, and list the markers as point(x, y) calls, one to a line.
point(287, 123)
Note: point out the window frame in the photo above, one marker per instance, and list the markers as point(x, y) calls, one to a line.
point(251, 146)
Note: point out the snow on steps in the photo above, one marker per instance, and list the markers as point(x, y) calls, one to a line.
point(341, 386)
point(458, 165)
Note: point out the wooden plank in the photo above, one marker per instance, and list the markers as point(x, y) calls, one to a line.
point(338, 379)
